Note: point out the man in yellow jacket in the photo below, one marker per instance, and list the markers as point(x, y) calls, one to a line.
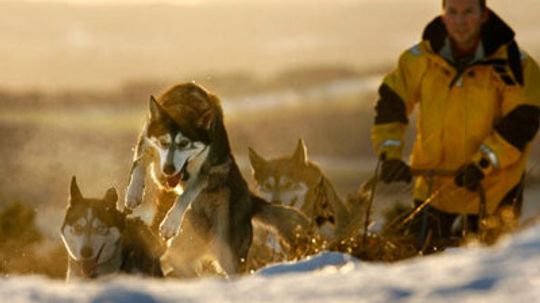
point(478, 100)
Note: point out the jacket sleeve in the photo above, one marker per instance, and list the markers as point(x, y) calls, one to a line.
point(397, 96)
point(520, 108)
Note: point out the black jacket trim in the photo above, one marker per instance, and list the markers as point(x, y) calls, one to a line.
point(495, 33)
point(520, 125)
point(390, 107)
point(507, 79)
point(435, 32)
point(500, 69)
point(514, 61)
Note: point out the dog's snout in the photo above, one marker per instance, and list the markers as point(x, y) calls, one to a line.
point(86, 252)
point(169, 169)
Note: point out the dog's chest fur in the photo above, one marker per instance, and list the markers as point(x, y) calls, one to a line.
point(224, 195)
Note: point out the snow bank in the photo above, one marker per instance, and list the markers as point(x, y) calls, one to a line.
point(505, 273)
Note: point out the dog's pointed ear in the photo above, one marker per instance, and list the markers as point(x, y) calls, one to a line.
point(220, 149)
point(257, 162)
point(74, 192)
point(155, 109)
point(111, 196)
point(300, 155)
point(207, 119)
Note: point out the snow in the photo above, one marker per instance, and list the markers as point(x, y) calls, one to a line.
point(508, 272)
point(328, 260)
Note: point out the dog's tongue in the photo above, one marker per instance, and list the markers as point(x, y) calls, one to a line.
point(174, 180)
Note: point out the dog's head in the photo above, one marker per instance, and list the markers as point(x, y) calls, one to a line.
point(186, 128)
point(285, 180)
point(92, 228)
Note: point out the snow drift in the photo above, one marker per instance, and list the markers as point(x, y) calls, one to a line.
point(507, 272)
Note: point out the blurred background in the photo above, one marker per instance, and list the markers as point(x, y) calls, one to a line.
point(76, 76)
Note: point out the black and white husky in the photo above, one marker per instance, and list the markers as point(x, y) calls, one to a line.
point(101, 240)
point(204, 204)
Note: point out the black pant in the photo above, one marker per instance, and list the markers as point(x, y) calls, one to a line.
point(439, 223)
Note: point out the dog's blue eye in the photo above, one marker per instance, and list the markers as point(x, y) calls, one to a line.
point(100, 229)
point(287, 185)
point(267, 186)
point(183, 144)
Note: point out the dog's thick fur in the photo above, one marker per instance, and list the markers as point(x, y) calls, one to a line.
point(185, 143)
point(101, 240)
point(298, 182)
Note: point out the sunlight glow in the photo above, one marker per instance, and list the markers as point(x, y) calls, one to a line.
point(119, 2)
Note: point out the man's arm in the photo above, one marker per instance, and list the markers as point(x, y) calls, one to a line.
point(520, 109)
point(398, 94)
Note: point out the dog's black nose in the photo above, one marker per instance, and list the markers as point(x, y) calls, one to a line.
point(86, 252)
point(169, 169)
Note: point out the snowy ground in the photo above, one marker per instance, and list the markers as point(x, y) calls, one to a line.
point(508, 272)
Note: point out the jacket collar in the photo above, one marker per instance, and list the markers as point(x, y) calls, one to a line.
point(495, 33)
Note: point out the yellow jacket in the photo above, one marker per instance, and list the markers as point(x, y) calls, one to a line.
point(485, 112)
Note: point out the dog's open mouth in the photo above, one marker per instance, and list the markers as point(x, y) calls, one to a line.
point(181, 175)
point(89, 266)
point(173, 180)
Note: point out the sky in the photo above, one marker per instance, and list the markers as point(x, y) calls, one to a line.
point(71, 46)
point(131, 2)
point(187, 2)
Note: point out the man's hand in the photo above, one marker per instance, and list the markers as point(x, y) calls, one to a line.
point(395, 170)
point(469, 176)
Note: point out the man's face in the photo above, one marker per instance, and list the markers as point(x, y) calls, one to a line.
point(463, 20)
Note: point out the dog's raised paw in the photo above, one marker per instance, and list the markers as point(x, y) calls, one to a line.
point(132, 204)
point(133, 197)
point(169, 227)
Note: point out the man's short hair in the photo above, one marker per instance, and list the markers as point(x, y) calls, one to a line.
point(482, 4)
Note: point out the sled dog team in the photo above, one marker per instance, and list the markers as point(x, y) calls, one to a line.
point(207, 220)
point(478, 99)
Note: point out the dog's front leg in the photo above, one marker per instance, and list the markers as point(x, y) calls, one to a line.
point(225, 256)
point(221, 246)
point(135, 189)
point(170, 227)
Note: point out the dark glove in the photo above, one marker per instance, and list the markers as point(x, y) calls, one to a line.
point(469, 176)
point(395, 170)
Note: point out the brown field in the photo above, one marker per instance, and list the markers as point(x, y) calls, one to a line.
point(62, 46)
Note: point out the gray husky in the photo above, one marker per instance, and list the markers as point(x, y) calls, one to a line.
point(101, 240)
point(185, 144)
point(296, 181)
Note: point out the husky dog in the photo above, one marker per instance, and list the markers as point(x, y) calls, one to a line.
point(100, 240)
point(185, 145)
point(297, 182)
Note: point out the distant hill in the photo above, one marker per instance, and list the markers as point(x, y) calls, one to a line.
point(57, 45)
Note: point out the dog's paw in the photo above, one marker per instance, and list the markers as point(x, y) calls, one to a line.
point(134, 196)
point(169, 227)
